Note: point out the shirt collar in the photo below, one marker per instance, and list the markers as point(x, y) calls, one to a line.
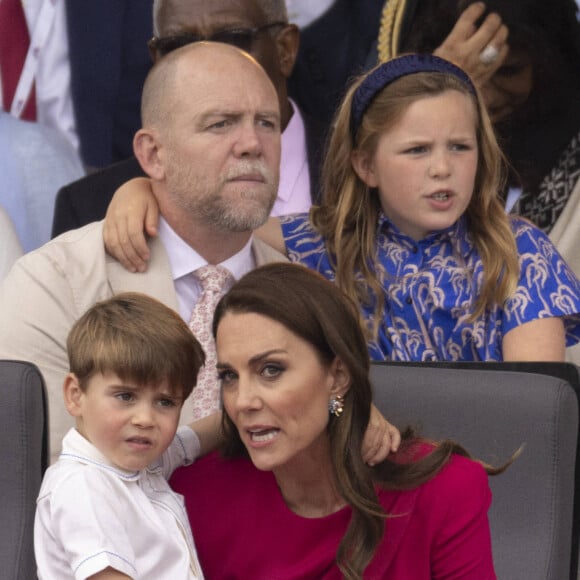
point(183, 259)
point(77, 448)
point(457, 234)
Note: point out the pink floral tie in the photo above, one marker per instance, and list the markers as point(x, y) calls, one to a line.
point(215, 282)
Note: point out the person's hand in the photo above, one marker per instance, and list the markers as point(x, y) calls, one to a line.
point(132, 213)
point(381, 438)
point(466, 44)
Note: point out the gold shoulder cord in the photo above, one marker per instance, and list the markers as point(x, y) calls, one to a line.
point(390, 30)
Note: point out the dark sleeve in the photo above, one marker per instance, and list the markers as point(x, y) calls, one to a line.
point(65, 215)
point(86, 200)
point(109, 61)
point(333, 49)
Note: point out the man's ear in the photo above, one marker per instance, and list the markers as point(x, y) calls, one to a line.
point(73, 395)
point(341, 377)
point(146, 147)
point(364, 167)
point(287, 43)
point(155, 56)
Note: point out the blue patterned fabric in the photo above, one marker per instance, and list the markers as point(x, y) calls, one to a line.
point(430, 288)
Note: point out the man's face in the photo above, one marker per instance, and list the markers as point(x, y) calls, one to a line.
point(208, 17)
point(221, 146)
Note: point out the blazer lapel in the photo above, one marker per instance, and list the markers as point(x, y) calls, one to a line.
point(156, 282)
point(264, 254)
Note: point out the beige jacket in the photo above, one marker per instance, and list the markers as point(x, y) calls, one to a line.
point(49, 289)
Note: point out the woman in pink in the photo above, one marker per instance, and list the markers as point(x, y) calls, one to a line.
point(291, 497)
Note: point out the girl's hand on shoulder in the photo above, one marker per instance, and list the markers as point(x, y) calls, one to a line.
point(132, 214)
point(381, 438)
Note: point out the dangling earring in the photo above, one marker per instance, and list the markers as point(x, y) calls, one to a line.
point(336, 405)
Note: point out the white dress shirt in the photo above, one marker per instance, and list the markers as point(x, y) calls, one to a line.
point(54, 104)
point(184, 260)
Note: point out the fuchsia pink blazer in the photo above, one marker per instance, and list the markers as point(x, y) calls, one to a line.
point(243, 529)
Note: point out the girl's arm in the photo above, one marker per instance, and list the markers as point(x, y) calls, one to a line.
point(134, 213)
point(381, 438)
point(543, 339)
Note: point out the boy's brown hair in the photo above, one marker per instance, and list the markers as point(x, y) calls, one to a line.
point(139, 339)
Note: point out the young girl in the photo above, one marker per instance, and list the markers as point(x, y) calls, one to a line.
point(412, 229)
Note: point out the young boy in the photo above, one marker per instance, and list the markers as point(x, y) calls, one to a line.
point(105, 509)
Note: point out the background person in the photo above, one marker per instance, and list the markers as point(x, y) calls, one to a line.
point(298, 499)
point(35, 160)
point(361, 32)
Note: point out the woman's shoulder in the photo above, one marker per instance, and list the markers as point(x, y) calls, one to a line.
point(456, 498)
point(457, 472)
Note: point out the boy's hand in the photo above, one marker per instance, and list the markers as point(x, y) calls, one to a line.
point(381, 438)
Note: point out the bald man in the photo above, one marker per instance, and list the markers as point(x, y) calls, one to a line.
point(261, 28)
point(210, 143)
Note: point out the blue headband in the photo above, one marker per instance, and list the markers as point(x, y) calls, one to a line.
point(392, 70)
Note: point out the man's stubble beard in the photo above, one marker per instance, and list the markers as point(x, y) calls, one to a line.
point(202, 198)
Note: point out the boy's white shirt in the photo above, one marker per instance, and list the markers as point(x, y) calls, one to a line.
point(91, 515)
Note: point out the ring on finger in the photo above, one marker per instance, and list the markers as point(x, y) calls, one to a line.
point(489, 55)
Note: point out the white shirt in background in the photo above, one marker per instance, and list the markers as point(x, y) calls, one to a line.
point(54, 103)
point(303, 12)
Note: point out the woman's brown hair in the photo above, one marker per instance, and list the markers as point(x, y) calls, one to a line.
point(316, 311)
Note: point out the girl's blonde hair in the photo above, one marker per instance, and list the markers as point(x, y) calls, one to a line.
point(348, 215)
